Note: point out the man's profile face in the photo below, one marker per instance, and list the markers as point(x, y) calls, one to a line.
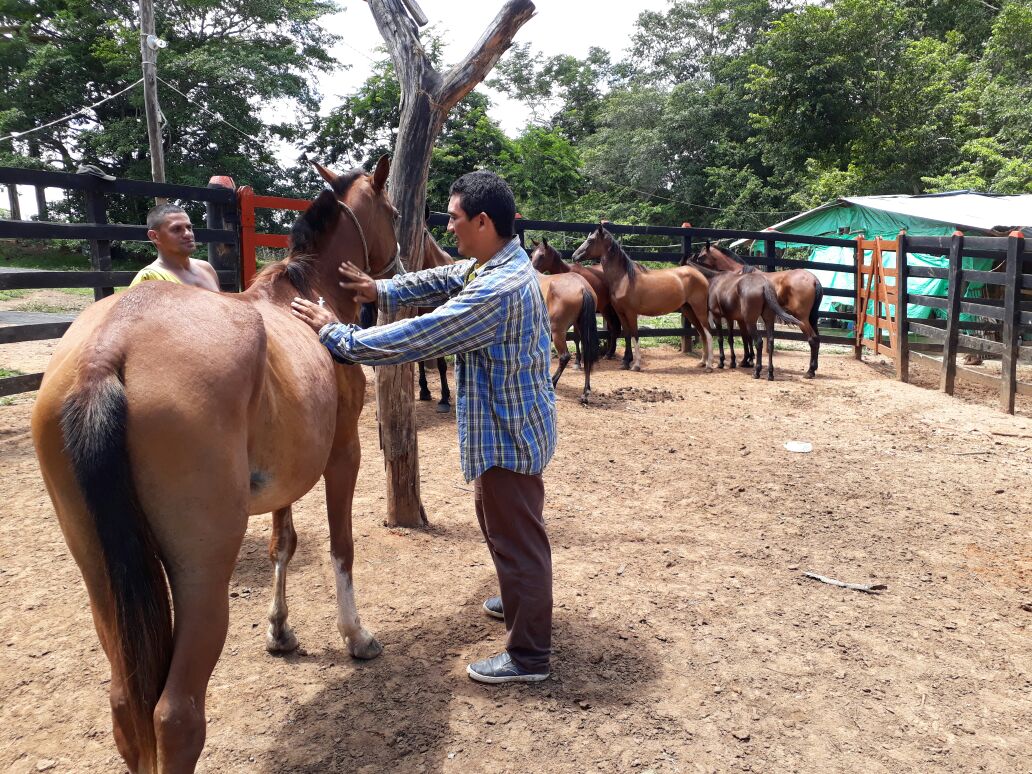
point(174, 237)
point(469, 231)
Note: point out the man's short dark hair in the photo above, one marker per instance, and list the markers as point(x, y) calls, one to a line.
point(485, 192)
point(157, 214)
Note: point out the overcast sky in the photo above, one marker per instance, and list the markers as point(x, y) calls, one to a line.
point(558, 27)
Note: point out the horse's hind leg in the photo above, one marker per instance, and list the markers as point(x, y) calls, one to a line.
point(280, 637)
point(444, 405)
point(341, 474)
point(770, 349)
point(814, 340)
point(720, 339)
point(424, 388)
point(748, 350)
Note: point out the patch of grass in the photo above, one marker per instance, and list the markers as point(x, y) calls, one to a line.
point(5, 372)
point(54, 255)
point(10, 295)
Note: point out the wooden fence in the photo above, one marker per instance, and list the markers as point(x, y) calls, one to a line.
point(233, 240)
point(221, 236)
point(1008, 318)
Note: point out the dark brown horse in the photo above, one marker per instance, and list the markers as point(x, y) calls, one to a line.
point(798, 291)
point(547, 260)
point(167, 416)
point(745, 298)
point(433, 257)
point(634, 292)
point(571, 301)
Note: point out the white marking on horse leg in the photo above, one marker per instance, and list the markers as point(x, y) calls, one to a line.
point(361, 644)
point(279, 638)
point(636, 348)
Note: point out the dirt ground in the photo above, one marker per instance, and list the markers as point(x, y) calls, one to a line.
point(686, 637)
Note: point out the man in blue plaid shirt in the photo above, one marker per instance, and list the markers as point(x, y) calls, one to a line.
point(492, 317)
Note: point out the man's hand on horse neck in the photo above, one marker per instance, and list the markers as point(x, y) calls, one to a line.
point(358, 282)
point(315, 315)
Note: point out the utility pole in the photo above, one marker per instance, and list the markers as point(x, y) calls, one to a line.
point(149, 45)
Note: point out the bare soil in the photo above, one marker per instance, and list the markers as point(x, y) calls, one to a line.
point(686, 637)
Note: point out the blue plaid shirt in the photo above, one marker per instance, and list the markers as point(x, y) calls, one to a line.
point(496, 325)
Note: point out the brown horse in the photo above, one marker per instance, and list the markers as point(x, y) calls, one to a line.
point(547, 260)
point(634, 292)
point(571, 301)
point(798, 291)
point(168, 415)
point(745, 298)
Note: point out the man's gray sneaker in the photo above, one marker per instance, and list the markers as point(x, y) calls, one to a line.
point(502, 669)
point(493, 607)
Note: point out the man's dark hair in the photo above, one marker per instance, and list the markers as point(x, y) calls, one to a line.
point(157, 214)
point(485, 192)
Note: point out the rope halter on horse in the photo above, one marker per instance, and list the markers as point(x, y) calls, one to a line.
point(393, 268)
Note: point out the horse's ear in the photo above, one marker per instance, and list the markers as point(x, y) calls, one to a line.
point(544, 241)
point(383, 168)
point(533, 242)
point(326, 174)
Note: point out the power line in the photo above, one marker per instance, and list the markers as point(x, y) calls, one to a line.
point(17, 135)
point(213, 114)
point(701, 206)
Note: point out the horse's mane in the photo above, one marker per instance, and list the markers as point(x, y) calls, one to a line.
point(630, 268)
point(727, 251)
point(299, 265)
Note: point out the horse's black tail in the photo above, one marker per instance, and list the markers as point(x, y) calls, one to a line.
point(772, 301)
point(93, 423)
point(815, 310)
point(588, 325)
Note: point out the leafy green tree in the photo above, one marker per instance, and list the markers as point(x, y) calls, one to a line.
point(229, 57)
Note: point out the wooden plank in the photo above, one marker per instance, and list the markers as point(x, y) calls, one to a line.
point(100, 249)
point(11, 334)
point(281, 203)
point(11, 229)
point(929, 272)
point(76, 182)
point(935, 302)
point(12, 385)
point(1011, 335)
point(37, 280)
point(965, 342)
point(982, 378)
point(272, 240)
point(981, 309)
point(956, 291)
point(902, 322)
point(936, 334)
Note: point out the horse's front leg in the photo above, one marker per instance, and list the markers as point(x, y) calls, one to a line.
point(626, 326)
point(424, 387)
point(280, 638)
point(444, 405)
point(719, 325)
point(341, 474)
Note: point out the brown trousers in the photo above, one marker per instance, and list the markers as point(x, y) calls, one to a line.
point(509, 508)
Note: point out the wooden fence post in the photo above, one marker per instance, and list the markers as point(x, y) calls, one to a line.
point(770, 253)
point(100, 249)
point(1011, 332)
point(902, 321)
point(248, 259)
point(224, 256)
point(948, 375)
point(858, 314)
point(687, 339)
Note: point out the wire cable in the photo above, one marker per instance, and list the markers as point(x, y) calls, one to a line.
point(17, 135)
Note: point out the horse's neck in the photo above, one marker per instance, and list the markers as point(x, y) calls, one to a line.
point(433, 254)
point(618, 266)
point(278, 290)
point(559, 266)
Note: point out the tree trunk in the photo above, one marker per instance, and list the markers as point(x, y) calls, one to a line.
point(426, 99)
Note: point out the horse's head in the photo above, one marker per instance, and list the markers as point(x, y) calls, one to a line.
point(596, 247)
point(374, 215)
point(544, 257)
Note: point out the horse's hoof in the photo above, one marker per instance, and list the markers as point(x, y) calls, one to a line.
point(425, 396)
point(443, 408)
point(770, 377)
point(364, 646)
point(810, 374)
point(635, 367)
point(286, 642)
point(755, 376)
point(625, 366)
point(709, 369)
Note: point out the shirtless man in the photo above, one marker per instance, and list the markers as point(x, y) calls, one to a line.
point(168, 227)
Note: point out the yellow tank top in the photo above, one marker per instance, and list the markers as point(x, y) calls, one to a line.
point(154, 273)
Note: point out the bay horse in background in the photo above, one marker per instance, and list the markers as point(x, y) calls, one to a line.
point(798, 291)
point(635, 292)
point(547, 260)
point(570, 300)
point(745, 298)
point(168, 415)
